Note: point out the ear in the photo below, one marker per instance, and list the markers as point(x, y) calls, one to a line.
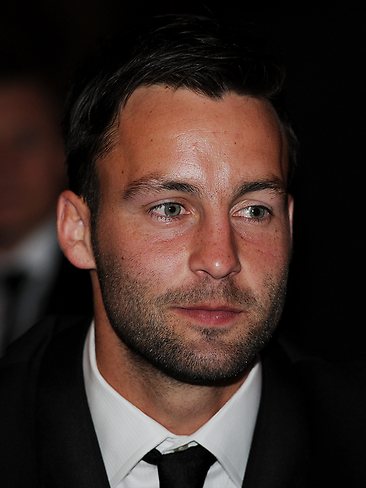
point(73, 229)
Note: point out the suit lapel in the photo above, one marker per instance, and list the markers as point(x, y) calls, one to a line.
point(68, 446)
point(280, 448)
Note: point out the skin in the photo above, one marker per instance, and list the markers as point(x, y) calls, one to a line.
point(227, 228)
point(31, 160)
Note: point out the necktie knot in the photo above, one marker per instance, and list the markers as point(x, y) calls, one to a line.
point(182, 469)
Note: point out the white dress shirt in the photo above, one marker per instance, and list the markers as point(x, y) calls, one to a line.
point(126, 434)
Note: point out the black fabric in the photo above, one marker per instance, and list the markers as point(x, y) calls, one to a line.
point(310, 430)
point(63, 418)
point(70, 293)
point(183, 468)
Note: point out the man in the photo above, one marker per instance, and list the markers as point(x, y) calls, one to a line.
point(180, 159)
point(32, 267)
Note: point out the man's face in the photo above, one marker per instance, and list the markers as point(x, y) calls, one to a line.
point(31, 160)
point(193, 234)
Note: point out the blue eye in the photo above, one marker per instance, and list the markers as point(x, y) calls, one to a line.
point(168, 210)
point(172, 209)
point(256, 212)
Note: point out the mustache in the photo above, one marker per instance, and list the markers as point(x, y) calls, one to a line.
point(226, 292)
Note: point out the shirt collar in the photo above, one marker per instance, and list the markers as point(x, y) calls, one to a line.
point(126, 434)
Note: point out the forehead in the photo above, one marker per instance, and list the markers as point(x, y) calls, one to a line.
point(181, 133)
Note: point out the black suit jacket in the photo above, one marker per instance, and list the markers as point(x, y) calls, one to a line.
point(310, 429)
point(70, 292)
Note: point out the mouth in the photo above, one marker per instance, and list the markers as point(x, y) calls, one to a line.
point(210, 315)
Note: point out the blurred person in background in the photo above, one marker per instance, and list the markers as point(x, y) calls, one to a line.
point(35, 278)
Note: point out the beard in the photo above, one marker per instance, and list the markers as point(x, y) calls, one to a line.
point(187, 352)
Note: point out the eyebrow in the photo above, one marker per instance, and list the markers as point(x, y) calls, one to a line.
point(157, 184)
point(274, 184)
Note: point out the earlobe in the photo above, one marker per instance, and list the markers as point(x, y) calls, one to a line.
point(73, 230)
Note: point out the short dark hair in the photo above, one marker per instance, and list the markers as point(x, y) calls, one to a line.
point(189, 51)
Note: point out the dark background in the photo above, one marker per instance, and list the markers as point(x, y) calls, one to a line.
point(325, 51)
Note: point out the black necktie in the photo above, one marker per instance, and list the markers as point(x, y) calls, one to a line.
point(182, 469)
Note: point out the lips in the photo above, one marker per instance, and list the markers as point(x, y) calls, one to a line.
point(210, 315)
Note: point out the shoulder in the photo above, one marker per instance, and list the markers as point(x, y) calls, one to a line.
point(21, 365)
point(327, 377)
point(31, 346)
point(334, 393)
point(21, 370)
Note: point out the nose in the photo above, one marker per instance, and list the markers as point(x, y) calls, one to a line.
point(214, 250)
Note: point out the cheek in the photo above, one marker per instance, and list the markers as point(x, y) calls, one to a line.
point(272, 241)
point(165, 261)
point(264, 254)
point(146, 257)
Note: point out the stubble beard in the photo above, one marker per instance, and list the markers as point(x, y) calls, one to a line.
point(145, 323)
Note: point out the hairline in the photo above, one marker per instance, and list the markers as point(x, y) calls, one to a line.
point(109, 139)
